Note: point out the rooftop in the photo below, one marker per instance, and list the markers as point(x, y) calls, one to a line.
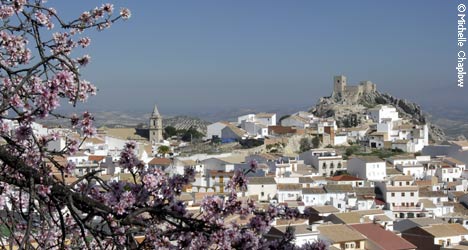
point(289, 187)
point(331, 188)
point(261, 181)
point(369, 159)
point(344, 178)
point(445, 230)
point(160, 162)
point(316, 190)
point(402, 178)
point(264, 115)
point(325, 209)
point(340, 233)
point(385, 239)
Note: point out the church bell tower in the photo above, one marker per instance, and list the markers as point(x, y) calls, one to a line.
point(155, 128)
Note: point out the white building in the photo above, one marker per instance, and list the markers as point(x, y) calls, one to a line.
point(296, 121)
point(401, 195)
point(315, 196)
point(381, 112)
point(326, 161)
point(289, 192)
point(448, 173)
point(214, 129)
point(255, 129)
point(263, 187)
point(368, 167)
point(267, 119)
point(415, 170)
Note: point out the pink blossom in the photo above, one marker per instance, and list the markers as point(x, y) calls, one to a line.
point(43, 190)
point(84, 42)
point(109, 8)
point(125, 13)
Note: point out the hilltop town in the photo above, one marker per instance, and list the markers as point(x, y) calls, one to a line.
point(369, 170)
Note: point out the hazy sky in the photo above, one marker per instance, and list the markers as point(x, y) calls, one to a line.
point(188, 56)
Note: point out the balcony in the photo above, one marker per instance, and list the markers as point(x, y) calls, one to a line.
point(407, 209)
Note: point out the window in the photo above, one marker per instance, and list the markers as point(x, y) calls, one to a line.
point(403, 194)
point(262, 194)
point(339, 205)
point(339, 165)
point(401, 183)
point(412, 194)
point(324, 166)
point(393, 194)
point(407, 183)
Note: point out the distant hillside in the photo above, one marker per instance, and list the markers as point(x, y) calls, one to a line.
point(118, 119)
point(185, 122)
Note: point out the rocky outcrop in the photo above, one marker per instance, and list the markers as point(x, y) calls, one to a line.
point(352, 113)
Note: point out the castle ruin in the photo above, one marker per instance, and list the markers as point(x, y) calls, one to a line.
point(342, 91)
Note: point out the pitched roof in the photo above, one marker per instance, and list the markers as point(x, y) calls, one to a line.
point(367, 191)
point(238, 131)
point(301, 229)
point(339, 188)
point(402, 178)
point(125, 134)
point(427, 203)
point(289, 187)
point(298, 118)
point(384, 239)
point(95, 140)
point(462, 144)
point(264, 115)
point(428, 193)
point(305, 180)
point(453, 161)
point(344, 178)
point(340, 233)
point(314, 190)
point(97, 158)
point(160, 162)
point(426, 221)
point(261, 180)
point(445, 230)
point(348, 218)
point(369, 159)
point(325, 209)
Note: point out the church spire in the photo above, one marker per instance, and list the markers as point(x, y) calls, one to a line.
point(155, 126)
point(155, 111)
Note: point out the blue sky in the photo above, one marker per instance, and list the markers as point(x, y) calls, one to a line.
point(211, 55)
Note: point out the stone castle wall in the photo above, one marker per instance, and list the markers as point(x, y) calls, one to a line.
point(351, 93)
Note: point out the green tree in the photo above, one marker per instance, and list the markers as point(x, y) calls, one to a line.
point(192, 134)
point(163, 150)
point(305, 145)
point(316, 142)
point(170, 131)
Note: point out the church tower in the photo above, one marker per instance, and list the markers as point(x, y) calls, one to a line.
point(155, 128)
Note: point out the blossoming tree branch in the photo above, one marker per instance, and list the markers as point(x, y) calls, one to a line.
point(41, 55)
